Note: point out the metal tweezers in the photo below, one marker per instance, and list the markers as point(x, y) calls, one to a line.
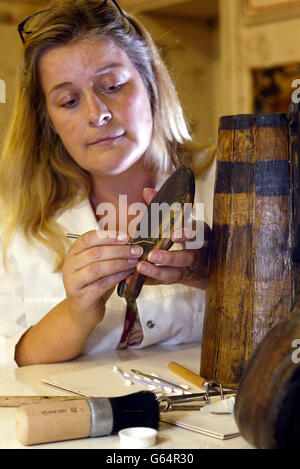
point(213, 388)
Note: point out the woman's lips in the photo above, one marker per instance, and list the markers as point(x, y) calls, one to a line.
point(108, 139)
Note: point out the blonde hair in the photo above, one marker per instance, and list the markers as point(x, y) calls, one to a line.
point(39, 179)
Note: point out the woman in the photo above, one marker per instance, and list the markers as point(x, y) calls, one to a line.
point(95, 116)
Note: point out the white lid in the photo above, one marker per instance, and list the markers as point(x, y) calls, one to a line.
point(137, 437)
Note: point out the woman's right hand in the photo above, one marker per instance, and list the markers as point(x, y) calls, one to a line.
point(94, 265)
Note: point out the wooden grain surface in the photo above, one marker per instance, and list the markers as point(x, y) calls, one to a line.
point(267, 409)
point(251, 273)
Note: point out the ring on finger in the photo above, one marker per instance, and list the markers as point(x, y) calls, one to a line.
point(189, 273)
point(186, 274)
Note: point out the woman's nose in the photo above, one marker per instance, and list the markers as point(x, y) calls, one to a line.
point(98, 112)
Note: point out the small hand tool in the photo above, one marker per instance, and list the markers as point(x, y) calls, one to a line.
point(82, 418)
point(170, 403)
point(167, 211)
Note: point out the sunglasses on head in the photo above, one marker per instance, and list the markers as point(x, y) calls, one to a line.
point(22, 28)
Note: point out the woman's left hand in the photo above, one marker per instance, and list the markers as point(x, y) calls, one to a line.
point(186, 266)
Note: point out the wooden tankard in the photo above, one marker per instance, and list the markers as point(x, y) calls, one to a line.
point(252, 318)
point(252, 272)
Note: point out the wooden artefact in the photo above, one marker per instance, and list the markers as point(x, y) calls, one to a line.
point(267, 409)
point(252, 274)
point(175, 197)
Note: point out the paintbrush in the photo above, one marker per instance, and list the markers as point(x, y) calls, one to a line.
point(82, 418)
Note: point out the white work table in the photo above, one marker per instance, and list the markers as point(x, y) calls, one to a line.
point(27, 381)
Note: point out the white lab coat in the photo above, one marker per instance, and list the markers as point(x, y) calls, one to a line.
point(170, 314)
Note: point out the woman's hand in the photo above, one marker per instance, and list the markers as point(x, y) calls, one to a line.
point(186, 266)
point(93, 267)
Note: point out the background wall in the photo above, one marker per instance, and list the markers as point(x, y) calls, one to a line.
point(254, 34)
point(210, 48)
point(190, 50)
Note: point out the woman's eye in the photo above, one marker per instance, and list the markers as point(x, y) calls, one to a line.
point(71, 103)
point(113, 88)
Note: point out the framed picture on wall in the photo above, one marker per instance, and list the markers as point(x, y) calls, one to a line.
point(273, 87)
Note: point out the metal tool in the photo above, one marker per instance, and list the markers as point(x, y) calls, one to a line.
point(178, 193)
point(168, 403)
point(172, 403)
point(160, 380)
point(213, 385)
point(76, 236)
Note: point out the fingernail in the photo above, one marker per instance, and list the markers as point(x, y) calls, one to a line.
point(154, 256)
point(142, 268)
point(136, 250)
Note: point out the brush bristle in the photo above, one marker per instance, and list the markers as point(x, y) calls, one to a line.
point(139, 409)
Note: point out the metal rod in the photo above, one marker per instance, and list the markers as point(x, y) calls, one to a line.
point(156, 379)
point(75, 236)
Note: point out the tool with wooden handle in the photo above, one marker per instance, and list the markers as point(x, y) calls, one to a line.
point(187, 374)
point(82, 418)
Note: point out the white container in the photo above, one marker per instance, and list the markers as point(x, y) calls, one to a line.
point(137, 437)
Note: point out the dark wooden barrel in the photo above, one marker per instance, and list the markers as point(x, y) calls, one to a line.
point(251, 284)
point(267, 408)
